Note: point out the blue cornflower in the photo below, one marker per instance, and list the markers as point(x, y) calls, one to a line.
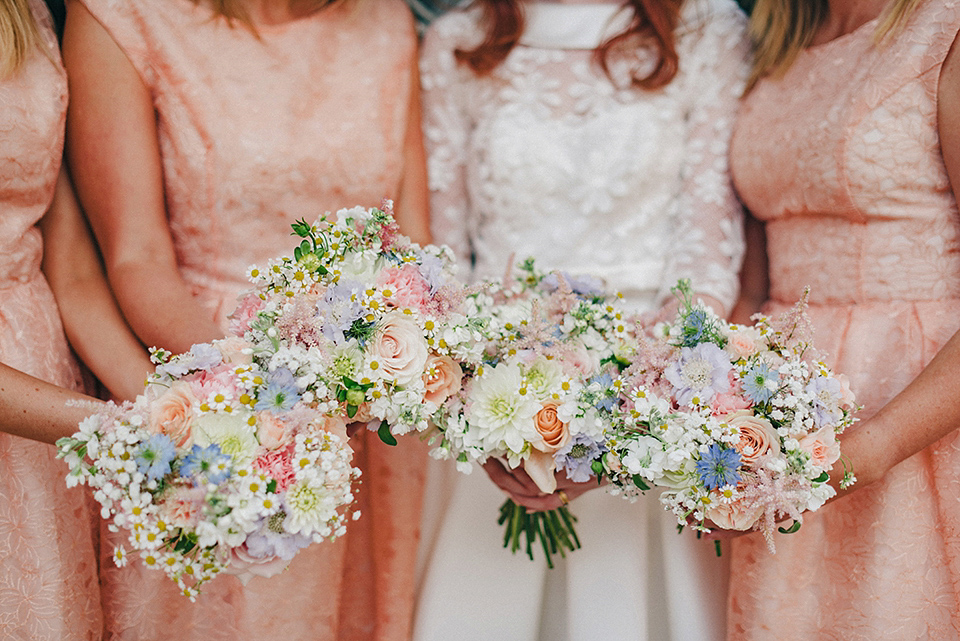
point(718, 467)
point(577, 457)
point(694, 326)
point(155, 455)
point(209, 460)
point(281, 393)
point(756, 384)
point(604, 380)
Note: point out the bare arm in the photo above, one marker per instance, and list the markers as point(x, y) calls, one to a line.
point(97, 331)
point(37, 410)
point(754, 278)
point(115, 162)
point(412, 210)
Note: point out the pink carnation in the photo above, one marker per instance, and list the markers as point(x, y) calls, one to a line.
point(278, 465)
point(409, 287)
point(246, 311)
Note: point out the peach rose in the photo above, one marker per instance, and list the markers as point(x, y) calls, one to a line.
point(172, 414)
point(742, 342)
point(734, 516)
point(182, 506)
point(337, 424)
point(849, 398)
point(822, 446)
point(232, 347)
point(244, 566)
point(552, 431)
point(271, 431)
point(401, 348)
point(757, 436)
point(442, 378)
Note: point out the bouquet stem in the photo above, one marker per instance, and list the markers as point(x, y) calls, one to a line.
point(553, 528)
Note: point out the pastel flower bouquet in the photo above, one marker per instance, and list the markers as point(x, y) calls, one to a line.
point(554, 347)
point(220, 466)
point(371, 327)
point(737, 423)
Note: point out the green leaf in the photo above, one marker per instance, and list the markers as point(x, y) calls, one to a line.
point(823, 478)
point(297, 253)
point(639, 482)
point(790, 530)
point(352, 410)
point(272, 486)
point(385, 435)
point(301, 228)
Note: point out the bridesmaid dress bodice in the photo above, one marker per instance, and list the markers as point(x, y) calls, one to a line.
point(310, 122)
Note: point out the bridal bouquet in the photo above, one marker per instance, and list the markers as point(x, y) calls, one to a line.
point(734, 421)
point(220, 465)
point(371, 326)
point(554, 346)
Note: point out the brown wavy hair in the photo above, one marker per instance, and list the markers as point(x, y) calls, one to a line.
point(652, 21)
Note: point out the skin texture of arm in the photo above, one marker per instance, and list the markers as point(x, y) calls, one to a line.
point(412, 209)
point(97, 331)
point(114, 155)
point(37, 410)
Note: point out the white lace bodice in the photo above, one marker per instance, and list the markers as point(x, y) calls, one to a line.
point(547, 157)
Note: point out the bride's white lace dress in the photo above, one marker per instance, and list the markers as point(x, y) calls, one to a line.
point(546, 157)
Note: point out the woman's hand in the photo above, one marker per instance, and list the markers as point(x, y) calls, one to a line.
point(521, 488)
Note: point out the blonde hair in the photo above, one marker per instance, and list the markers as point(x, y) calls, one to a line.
point(19, 35)
point(782, 28)
point(234, 9)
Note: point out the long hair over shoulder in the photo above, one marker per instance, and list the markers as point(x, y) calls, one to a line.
point(19, 36)
point(652, 21)
point(782, 28)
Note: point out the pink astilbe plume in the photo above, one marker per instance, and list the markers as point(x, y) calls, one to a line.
point(299, 323)
point(778, 495)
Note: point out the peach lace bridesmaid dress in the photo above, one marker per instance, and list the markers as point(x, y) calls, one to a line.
point(255, 133)
point(841, 158)
point(48, 566)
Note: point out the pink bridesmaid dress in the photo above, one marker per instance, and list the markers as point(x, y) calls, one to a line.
point(48, 566)
point(255, 133)
point(841, 158)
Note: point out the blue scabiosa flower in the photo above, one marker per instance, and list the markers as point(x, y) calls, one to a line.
point(209, 461)
point(339, 310)
point(577, 456)
point(281, 393)
point(694, 327)
point(718, 467)
point(583, 286)
point(155, 455)
point(760, 383)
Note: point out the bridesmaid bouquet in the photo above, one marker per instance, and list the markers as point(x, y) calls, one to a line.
point(732, 420)
point(221, 465)
point(539, 399)
point(371, 326)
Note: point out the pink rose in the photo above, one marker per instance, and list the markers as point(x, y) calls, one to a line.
point(822, 446)
point(442, 378)
point(232, 349)
point(582, 359)
point(182, 506)
point(246, 311)
point(742, 342)
point(172, 414)
point(757, 436)
point(734, 516)
point(401, 348)
point(278, 465)
point(272, 431)
point(244, 566)
point(407, 286)
point(220, 379)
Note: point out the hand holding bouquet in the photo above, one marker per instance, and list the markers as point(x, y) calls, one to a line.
point(735, 422)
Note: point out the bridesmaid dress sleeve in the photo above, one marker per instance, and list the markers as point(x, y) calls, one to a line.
point(708, 241)
point(446, 130)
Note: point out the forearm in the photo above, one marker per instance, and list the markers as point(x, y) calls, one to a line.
point(160, 308)
point(923, 413)
point(37, 410)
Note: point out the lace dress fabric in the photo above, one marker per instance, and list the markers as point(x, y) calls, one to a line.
point(48, 564)
point(842, 160)
point(255, 133)
point(546, 157)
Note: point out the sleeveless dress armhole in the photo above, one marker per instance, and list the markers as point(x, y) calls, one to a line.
point(123, 20)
